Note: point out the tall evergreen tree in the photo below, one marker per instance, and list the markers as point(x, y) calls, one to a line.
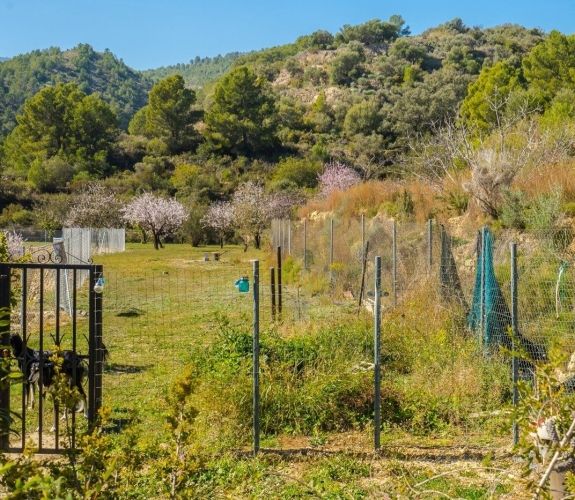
point(240, 120)
point(170, 116)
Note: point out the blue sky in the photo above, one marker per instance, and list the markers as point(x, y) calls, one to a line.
point(153, 33)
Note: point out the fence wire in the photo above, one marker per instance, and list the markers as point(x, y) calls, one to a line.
point(317, 354)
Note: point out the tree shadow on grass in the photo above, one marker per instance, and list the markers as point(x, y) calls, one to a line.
point(132, 312)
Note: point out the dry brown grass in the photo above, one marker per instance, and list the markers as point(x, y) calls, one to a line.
point(546, 178)
point(374, 197)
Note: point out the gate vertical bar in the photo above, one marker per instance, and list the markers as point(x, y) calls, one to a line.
point(74, 345)
point(394, 268)
point(514, 326)
point(95, 367)
point(25, 339)
point(98, 376)
point(5, 339)
point(41, 332)
point(376, 355)
point(92, 344)
point(256, 357)
point(280, 291)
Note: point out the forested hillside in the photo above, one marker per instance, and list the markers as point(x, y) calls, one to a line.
point(22, 76)
point(198, 71)
point(455, 119)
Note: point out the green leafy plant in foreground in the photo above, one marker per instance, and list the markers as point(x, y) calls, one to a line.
point(546, 408)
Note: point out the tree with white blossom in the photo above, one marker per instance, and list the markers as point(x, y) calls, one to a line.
point(220, 218)
point(251, 212)
point(281, 204)
point(337, 176)
point(96, 206)
point(157, 216)
point(254, 210)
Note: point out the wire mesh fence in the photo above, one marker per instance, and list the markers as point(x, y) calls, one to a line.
point(464, 302)
point(440, 375)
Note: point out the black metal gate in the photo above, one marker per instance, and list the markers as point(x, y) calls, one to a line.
point(51, 304)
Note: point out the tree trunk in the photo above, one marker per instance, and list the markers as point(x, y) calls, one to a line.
point(156, 242)
point(257, 241)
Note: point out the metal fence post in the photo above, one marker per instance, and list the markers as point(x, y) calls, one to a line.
point(256, 357)
point(331, 255)
point(273, 291)
point(376, 356)
point(394, 268)
point(279, 254)
point(514, 326)
point(362, 231)
point(305, 244)
point(331, 243)
point(482, 313)
point(429, 245)
point(5, 340)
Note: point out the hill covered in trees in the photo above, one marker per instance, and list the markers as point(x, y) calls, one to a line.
point(23, 76)
point(464, 109)
point(198, 71)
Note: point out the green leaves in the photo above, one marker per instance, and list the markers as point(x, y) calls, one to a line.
point(240, 119)
point(169, 115)
point(489, 95)
point(551, 65)
point(61, 122)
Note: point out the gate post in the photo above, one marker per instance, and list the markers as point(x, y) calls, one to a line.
point(4, 339)
point(95, 367)
point(256, 358)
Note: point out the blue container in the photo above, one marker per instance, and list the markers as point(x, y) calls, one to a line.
point(243, 284)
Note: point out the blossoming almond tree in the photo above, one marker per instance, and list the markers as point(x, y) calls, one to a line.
point(219, 217)
point(95, 206)
point(337, 177)
point(251, 212)
point(158, 216)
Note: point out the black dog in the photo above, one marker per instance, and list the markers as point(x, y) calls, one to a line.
point(26, 358)
point(40, 369)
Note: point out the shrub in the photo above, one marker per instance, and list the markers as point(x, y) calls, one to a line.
point(513, 210)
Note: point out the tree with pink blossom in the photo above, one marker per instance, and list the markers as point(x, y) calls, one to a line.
point(156, 216)
point(220, 218)
point(337, 176)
